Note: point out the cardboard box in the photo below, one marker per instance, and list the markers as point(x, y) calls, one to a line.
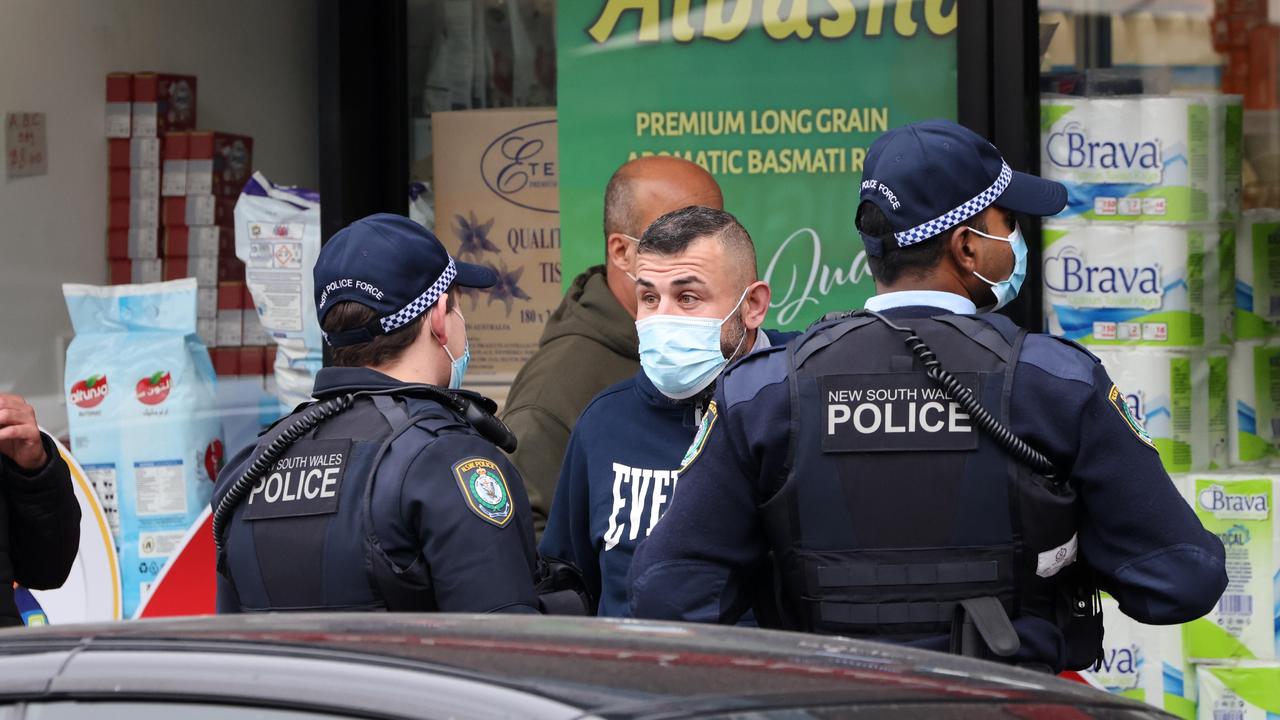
point(230, 314)
point(226, 361)
point(119, 105)
point(133, 244)
point(144, 153)
point(219, 163)
point(118, 153)
point(128, 183)
point(254, 333)
point(195, 210)
point(124, 272)
point(207, 303)
point(230, 269)
point(174, 161)
point(198, 241)
point(130, 213)
point(204, 270)
point(252, 359)
point(207, 329)
point(163, 103)
point(124, 214)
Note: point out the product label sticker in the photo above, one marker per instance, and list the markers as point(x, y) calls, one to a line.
point(306, 481)
point(893, 412)
point(161, 488)
point(1051, 562)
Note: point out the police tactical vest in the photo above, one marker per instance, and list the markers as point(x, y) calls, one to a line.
point(896, 506)
point(303, 539)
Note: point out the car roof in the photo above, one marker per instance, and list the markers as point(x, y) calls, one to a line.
point(616, 668)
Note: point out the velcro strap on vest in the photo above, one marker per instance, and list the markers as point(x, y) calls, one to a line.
point(943, 573)
point(875, 614)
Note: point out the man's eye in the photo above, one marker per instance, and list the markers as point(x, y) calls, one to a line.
point(688, 299)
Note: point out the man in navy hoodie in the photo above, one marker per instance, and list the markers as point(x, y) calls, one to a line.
point(700, 306)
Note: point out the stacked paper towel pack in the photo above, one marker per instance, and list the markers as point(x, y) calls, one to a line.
point(1154, 267)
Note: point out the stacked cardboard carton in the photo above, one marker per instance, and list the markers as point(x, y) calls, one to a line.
point(173, 191)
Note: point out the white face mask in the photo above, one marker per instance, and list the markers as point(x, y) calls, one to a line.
point(458, 365)
point(680, 354)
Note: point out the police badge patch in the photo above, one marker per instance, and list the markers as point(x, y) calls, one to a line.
point(485, 489)
point(1121, 404)
point(699, 440)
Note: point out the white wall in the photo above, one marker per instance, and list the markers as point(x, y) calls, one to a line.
point(256, 65)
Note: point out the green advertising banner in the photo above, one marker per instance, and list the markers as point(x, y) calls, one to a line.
point(779, 99)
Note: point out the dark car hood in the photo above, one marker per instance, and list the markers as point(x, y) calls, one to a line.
point(619, 668)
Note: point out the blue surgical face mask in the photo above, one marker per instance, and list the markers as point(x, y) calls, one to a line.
point(458, 366)
point(1006, 290)
point(680, 354)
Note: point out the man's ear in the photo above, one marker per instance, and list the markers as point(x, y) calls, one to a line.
point(437, 315)
point(756, 304)
point(963, 248)
point(619, 251)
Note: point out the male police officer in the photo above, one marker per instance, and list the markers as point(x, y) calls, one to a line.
point(881, 457)
point(387, 494)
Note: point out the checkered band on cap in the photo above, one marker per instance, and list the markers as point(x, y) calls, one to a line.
point(960, 214)
point(419, 305)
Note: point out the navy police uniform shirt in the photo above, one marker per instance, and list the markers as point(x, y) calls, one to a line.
point(619, 474)
point(419, 510)
point(1143, 540)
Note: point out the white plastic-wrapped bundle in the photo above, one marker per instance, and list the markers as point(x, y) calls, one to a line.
point(1130, 159)
point(1170, 393)
point(1127, 284)
point(1254, 389)
point(1238, 508)
point(1257, 284)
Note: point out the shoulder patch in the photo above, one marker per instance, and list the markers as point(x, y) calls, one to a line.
point(700, 439)
point(1121, 404)
point(485, 489)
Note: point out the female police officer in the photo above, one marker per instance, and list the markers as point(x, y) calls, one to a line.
point(921, 471)
point(389, 492)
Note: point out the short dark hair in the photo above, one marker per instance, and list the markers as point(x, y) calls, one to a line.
point(382, 349)
point(674, 232)
point(896, 261)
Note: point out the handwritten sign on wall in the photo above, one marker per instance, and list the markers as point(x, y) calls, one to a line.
point(26, 149)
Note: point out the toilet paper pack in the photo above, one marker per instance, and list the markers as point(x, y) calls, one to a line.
point(1238, 509)
point(1220, 285)
point(1130, 159)
point(1129, 665)
point(1127, 284)
point(1168, 393)
point(1243, 691)
point(1142, 662)
point(1258, 275)
point(1254, 388)
point(1226, 128)
point(1219, 408)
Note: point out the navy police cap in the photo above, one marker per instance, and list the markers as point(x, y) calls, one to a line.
point(392, 265)
point(928, 177)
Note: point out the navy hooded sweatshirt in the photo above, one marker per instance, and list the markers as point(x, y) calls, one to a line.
point(619, 474)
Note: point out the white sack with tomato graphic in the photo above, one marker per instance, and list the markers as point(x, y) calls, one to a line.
point(140, 406)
